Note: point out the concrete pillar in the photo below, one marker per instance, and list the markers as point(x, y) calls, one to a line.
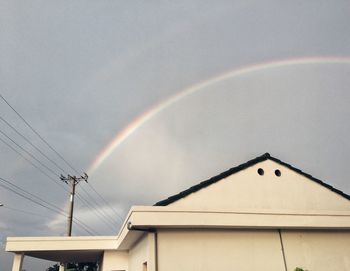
point(18, 262)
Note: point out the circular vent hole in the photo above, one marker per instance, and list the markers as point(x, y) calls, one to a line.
point(260, 171)
point(278, 173)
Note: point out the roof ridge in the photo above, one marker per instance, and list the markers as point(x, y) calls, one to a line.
point(309, 176)
point(240, 167)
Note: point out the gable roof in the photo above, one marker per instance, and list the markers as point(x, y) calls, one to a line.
point(265, 156)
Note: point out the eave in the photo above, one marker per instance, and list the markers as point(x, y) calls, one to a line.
point(63, 249)
point(157, 217)
point(144, 218)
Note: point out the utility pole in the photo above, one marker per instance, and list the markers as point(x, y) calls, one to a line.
point(72, 181)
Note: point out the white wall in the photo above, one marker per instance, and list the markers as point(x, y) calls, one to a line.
point(138, 254)
point(219, 250)
point(246, 190)
point(115, 260)
point(317, 250)
point(247, 250)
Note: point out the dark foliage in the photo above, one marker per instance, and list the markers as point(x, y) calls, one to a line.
point(76, 267)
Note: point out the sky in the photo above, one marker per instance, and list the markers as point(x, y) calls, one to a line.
point(151, 97)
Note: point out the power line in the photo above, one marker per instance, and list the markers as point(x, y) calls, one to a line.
point(102, 211)
point(30, 194)
point(28, 198)
point(40, 215)
point(25, 212)
point(56, 182)
point(27, 152)
point(52, 208)
point(34, 165)
point(97, 211)
point(34, 131)
point(57, 153)
point(84, 227)
point(102, 198)
point(37, 201)
point(29, 142)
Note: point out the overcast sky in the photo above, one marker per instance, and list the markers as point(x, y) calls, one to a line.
point(81, 71)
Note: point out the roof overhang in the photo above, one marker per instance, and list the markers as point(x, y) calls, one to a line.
point(172, 218)
point(162, 217)
point(62, 249)
point(142, 219)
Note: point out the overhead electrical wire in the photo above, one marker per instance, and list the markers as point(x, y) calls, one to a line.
point(53, 149)
point(39, 201)
point(30, 194)
point(40, 215)
point(84, 227)
point(105, 202)
point(28, 198)
point(27, 152)
point(99, 212)
point(56, 182)
point(34, 165)
point(24, 212)
point(31, 144)
point(34, 131)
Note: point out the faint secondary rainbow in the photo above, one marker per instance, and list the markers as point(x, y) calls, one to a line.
point(143, 118)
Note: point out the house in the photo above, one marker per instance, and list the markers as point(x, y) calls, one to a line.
point(262, 215)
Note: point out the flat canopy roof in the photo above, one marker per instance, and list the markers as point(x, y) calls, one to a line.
point(69, 256)
point(63, 249)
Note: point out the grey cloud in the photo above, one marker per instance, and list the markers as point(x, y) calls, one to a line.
point(80, 72)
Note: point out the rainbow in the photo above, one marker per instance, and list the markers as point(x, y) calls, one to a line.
point(143, 118)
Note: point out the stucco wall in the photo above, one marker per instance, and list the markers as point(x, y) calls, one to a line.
point(246, 250)
point(220, 250)
point(317, 250)
point(115, 260)
point(138, 254)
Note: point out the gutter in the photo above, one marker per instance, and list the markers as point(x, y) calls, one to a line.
point(131, 227)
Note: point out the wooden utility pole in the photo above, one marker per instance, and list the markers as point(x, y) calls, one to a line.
point(72, 181)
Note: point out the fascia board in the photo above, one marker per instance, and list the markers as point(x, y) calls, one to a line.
point(15, 244)
point(151, 217)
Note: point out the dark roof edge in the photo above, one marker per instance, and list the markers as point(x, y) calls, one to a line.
point(212, 180)
point(243, 166)
point(339, 192)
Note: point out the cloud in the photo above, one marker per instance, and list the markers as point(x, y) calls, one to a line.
point(80, 73)
point(277, 111)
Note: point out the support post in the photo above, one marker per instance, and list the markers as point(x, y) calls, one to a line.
point(18, 262)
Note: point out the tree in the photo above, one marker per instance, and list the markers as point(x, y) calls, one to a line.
point(55, 267)
point(76, 267)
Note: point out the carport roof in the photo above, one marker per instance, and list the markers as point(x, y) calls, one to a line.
point(62, 249)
